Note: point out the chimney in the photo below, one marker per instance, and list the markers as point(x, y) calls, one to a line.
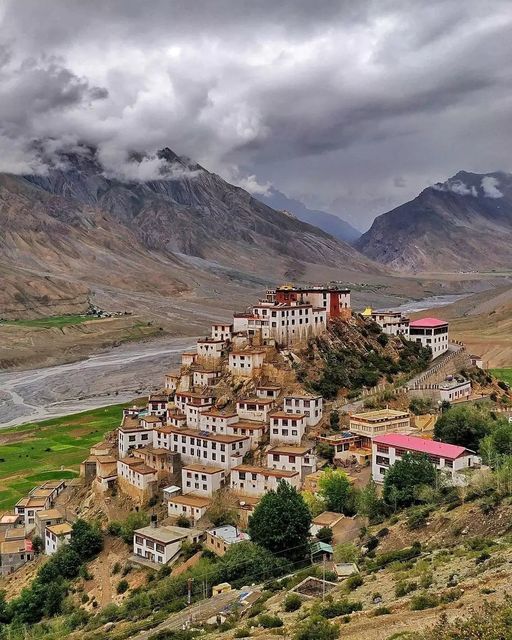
point(154, 520)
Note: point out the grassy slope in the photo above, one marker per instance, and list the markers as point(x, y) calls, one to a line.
point(503, 374)
point(52, 321)
point(35, 452)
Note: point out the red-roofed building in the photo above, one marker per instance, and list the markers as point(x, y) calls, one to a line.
point(448, 458)
point(430, 332)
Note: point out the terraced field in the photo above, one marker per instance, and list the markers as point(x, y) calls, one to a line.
point(35, 452)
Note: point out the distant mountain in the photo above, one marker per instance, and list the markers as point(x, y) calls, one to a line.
point(328, 222)
point(80, 229)
point(464, 223)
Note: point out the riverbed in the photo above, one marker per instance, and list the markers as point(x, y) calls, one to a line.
point(118, 375)
point(414, 306)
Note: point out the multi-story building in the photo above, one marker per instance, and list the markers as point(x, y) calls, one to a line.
point(163, 461)
point(287, 428)
point(334, 300)
point(307, 405)
point(301, 459)
point(47, 518)
point(132, 436)
point(392, 323)
point(254, 430)
point(430, 332)
point(270, 391)
point(222, 331)
point(370, 424)
point(28, 507)
point(201, 447)
point(343, 443)
point(162, 544)
point(157, 405)
point(448, 458)
point(201, 479)
point(136, 479)
point(205, 377)
point(217, 420)
point(55, 536)
point(256, 481)
point(188, 358)
point(254, 409)
point(247, 363)
point(14, 553)
point(220, 539)
point(190, 506)
point(172, 380)
point(290, 323)
point(210, 350)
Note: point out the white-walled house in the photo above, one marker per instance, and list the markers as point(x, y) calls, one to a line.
point(210, 350)
point(190, 506)
point(270, 391)
point(217, 420)
point(133, 438)
point(455, 389)
point(222, 331)
point(252, 429)
point(162, 544)
point(311, 406)
point(287, 428)
point(448, 458)
point(430, 332)
point(257, 409)
point(392, 323)
point(256, 481)
point(205, 377)
point(301, 459)
point(157, 405)
point(246, 364)
point(290, 323)
point(202, 480)
point(55, 536)
point(188, 358)
point(172, 381)
point(183, 398)
point(136, 479)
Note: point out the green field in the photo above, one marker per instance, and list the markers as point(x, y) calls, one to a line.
point(51, 321)
point(49, 450)
point(503, 374)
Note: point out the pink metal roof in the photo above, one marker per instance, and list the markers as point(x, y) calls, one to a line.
point(420, 445)
point(428, 323)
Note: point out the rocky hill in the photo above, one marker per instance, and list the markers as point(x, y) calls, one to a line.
point(78, 229)
point(464, 224)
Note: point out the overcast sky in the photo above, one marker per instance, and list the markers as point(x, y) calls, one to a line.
point(350, 106)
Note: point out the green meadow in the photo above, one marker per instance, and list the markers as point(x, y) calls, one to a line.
point(503, 374)
point(51, 321)
point(49, 450)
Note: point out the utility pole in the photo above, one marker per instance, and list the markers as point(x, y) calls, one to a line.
point(189, 589)
point(323, 576)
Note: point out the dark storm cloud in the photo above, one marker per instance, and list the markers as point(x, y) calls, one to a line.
point(329, 101)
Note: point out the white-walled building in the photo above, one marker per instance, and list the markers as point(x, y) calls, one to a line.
point(310, 406)
point(133, 438)
point(28, 507)
point(55, 536)
point(288, 458)
point(217, 420)
point(134, 472)
point(157, 405)
point(188, 358)
point(190, 506)
point(430, 332)
point(201, 400)
point(210, 350)
point(217, 450)
point(269, 391)
point(334, 300)
point(257, 409)
point(448, 458)
point(289, 323)
point(370, 424)
point(222, 331)
point(176, 418)
point(256, 481)
point(162, 545)
point(202, 480)
point(392, 323)
point(220, 539)
point(205, 377)
point(246, 363)
point(287, 428)
point(252, 429)
point(172, 381)
point(455, 389)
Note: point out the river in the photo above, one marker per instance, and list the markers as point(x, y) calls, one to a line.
point(413, 306)
point(106, 378)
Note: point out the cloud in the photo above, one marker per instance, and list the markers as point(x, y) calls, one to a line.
point(456, 186)
point(490, 187)
point(350, 107)
point(251, 184)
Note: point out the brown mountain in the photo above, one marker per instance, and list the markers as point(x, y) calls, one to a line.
point(464, 223)
point(77, 231)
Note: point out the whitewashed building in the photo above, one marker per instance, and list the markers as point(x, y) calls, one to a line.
point(162, 544)
point(286, 428)
point(222, 331)
point(430, 332)
point(310, 406)
point(454, 389)
point(55, 536)
point(256, 481)
point(254, 409)
point(247, 363)
point(202, 480)
point(288, 458)
point(190, 506)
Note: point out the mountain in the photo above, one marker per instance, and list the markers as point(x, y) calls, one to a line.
point(464, 223)
point(328, 222)
point(78, 230)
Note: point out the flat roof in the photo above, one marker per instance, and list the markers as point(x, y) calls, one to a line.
point(255, 401)
point(203, 435)
point(292, 451)
point(428, 323)
point(229, 534)
point(278, 473)
point(453, 384)
point(190, 500)
point(49, 514)
point(327, 519)
point(249, 424)
point(283, 414)
point(167, 533)
point(380, 414)
point(421, 445)
point(219, 413)
point(60, 529)
point(13, 546)
point(203, 468)
point(10, 518)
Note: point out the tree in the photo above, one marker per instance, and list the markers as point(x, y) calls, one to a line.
point(86, 539)
point(249, 562)
point(315, 503)
point(317, 628)
point(498, 442)
point(463, 425)
point(335, 488)
point(346, 552)
point(368, 502)
point(325, 535)
point(334, 420)
point(37, 544)
point(403, 478)
point(223, 509)
point(125, 529)
point(281, 522)
point(325, 451)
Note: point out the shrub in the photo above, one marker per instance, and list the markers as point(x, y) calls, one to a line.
point(269, 621)
point(316, 628)
point(382, 611)
point(122, 586)
point(182, 521)
point(402, 588)
point(354, 581)
point(339, 608)
point(424, 601)
point(292, 602)
point(244, 632)
point(325, 535)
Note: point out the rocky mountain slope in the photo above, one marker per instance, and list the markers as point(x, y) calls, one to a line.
point(328, 222)
point(464, 224)
point(77, 230)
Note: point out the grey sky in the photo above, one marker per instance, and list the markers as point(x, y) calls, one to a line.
point(349, 106)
